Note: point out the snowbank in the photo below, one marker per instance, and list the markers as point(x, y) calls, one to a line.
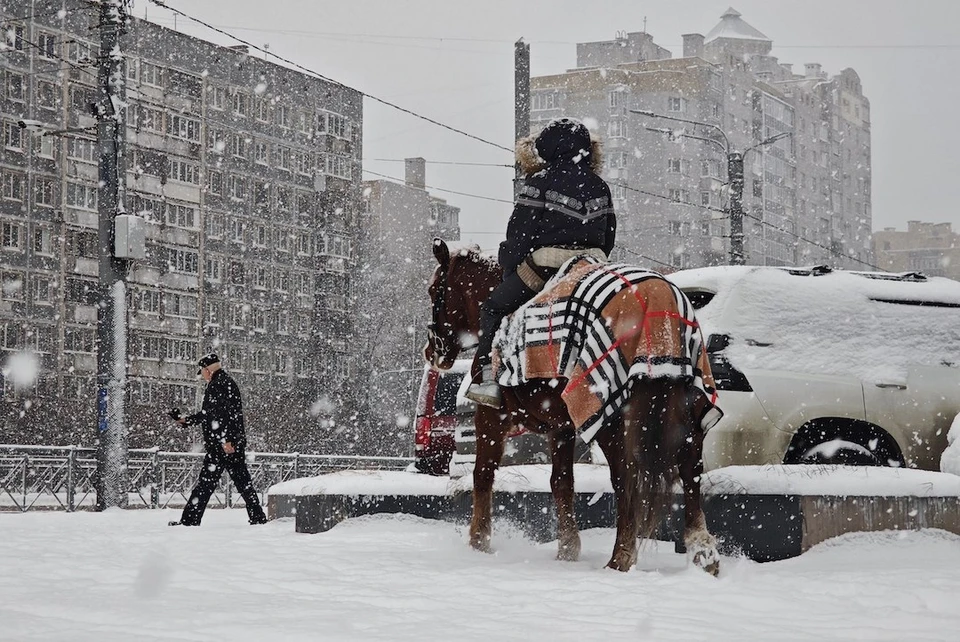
point(950, 459)
point(841, 481)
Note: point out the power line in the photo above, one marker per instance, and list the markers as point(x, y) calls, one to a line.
point(433, 162)
point(161, 3)
point(440, 189)
point(60, 58)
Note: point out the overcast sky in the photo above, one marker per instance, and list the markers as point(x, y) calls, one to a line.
point(453, 61)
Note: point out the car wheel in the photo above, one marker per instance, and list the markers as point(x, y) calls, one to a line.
point(840, 451)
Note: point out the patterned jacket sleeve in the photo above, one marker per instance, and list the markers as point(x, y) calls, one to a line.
point(521, 230)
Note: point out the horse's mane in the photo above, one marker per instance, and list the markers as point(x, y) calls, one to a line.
point(473, 254)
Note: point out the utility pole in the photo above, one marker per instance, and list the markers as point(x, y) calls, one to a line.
point(735, 176)
point(521, 54)
point(110, 110)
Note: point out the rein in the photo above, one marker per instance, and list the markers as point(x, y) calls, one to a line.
point(441, 344)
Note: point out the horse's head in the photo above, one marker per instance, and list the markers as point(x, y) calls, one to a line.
point(460, 283)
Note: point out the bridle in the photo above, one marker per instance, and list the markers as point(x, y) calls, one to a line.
point(439, 343)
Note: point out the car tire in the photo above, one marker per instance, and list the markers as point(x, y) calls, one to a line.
point(842, 452)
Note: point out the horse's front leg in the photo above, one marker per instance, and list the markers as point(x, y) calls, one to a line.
point(701, 545)
point(561, 483)
point(491, 430)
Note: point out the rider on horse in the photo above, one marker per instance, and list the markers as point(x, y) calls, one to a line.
point(563, 209)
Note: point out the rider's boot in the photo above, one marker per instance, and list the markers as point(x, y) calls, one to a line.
point(484, 389)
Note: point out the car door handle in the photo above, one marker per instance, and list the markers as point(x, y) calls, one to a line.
point(898, 386)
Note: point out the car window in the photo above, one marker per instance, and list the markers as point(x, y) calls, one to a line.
point(699, 298)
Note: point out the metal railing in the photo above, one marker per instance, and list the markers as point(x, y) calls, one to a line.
point(62, 477)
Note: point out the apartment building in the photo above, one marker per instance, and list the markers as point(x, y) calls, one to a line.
point(930, 248)
point(806, 195)
point(248, 174)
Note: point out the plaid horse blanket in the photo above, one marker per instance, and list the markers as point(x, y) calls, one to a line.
point(600, 326)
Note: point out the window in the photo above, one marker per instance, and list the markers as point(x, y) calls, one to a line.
point(705, 198)
point(47, 95)
point(218, 97)
point(240, 104)
point(235, 227)
point(12, 236)
point(283, 240)
point(45, 145)
point(11, 186)
point(41, 290)
point(618, 191)
point(283, 198)
point(180, 305)
point(151, 74)
point(261, 153)
point(336, 125)
point(184, 127)
point(283, 363)
point(304, 163)
point(283, 322)
point(616, 129)
point(673, 227)
point(284, 157)
point(679, 195)
point(47, 45)
point(215, 313)
point(44, 192)
point(613, 98)
point(261, 277)
point(677, 104)
point(83, 243)
point(281, 281)
point(215, 182)
point(182, 261)
point(82, 291)
point(13, 37)
point(338, 166)
point(184, 171)
point(82, 149)
point(83, 52)
point(236, 187)
point(238, 145)
point(259, 320)
point(544, 100)
point(181, 216)
point(260, 235)
point(14, 86)
point(303, 123)
point(78, 340)
point(42, 243)
point(12, 135)
point(304, 244)
point(214, 225)
point(213, 269)
point(149, 118)
point(675, 166)
point(12, 285)
point(261, 109)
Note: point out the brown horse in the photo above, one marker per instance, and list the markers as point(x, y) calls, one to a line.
point(654, 437)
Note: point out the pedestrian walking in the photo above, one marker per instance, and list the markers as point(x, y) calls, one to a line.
point(224, 441)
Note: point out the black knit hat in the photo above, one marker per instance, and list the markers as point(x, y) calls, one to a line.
point(207, 360)
point(563, 138)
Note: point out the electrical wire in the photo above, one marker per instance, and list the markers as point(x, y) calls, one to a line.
point(440, 189)
point(433, 162)
point(161, 3)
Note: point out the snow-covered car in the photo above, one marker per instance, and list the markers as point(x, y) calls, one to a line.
point(815, 365)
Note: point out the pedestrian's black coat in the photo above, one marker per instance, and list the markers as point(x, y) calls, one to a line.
point(566, 204)
point(221, 415)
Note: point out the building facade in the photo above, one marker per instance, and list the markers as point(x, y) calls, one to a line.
point(931, 248)
point(248, 174)
point(400, 221)
point(806, 195)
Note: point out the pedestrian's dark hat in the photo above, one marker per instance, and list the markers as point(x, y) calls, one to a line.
point(563, 138)
point(206, 360)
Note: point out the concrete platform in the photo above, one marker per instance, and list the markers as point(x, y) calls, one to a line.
point(763, 512)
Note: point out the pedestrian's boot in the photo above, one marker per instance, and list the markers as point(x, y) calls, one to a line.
point(484, 389)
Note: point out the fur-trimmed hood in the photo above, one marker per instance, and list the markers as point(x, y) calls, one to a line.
point(563, 138)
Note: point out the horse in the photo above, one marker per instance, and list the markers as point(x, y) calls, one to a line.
point(655, 436)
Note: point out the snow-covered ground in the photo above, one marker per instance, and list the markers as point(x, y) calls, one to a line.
point(125, 575)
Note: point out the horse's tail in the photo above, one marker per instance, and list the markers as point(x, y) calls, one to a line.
point(655, 425)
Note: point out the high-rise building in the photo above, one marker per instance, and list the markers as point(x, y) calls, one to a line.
point(400, 221)
point(806, 196)
point(930, 248)
point(248, 174)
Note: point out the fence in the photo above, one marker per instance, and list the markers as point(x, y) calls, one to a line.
point(62, 477)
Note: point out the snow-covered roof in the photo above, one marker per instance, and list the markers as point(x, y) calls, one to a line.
point(733, 26)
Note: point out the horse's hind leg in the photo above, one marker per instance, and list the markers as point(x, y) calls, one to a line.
point(561, 483)
point(701, 545)
point(491, 432)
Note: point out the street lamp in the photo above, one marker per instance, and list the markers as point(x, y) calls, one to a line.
point(734, 172)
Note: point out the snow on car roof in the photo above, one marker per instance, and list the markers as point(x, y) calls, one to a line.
point(844, 323)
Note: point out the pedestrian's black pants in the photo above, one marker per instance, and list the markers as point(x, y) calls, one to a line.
point(213, 468)
point(505, 298)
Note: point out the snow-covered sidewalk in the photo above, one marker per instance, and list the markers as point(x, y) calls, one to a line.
point(125, 575)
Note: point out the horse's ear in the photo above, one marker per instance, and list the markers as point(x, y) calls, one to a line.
point(441, 251)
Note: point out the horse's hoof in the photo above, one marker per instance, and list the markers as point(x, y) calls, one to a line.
point(708, 561)
point(480, 544)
